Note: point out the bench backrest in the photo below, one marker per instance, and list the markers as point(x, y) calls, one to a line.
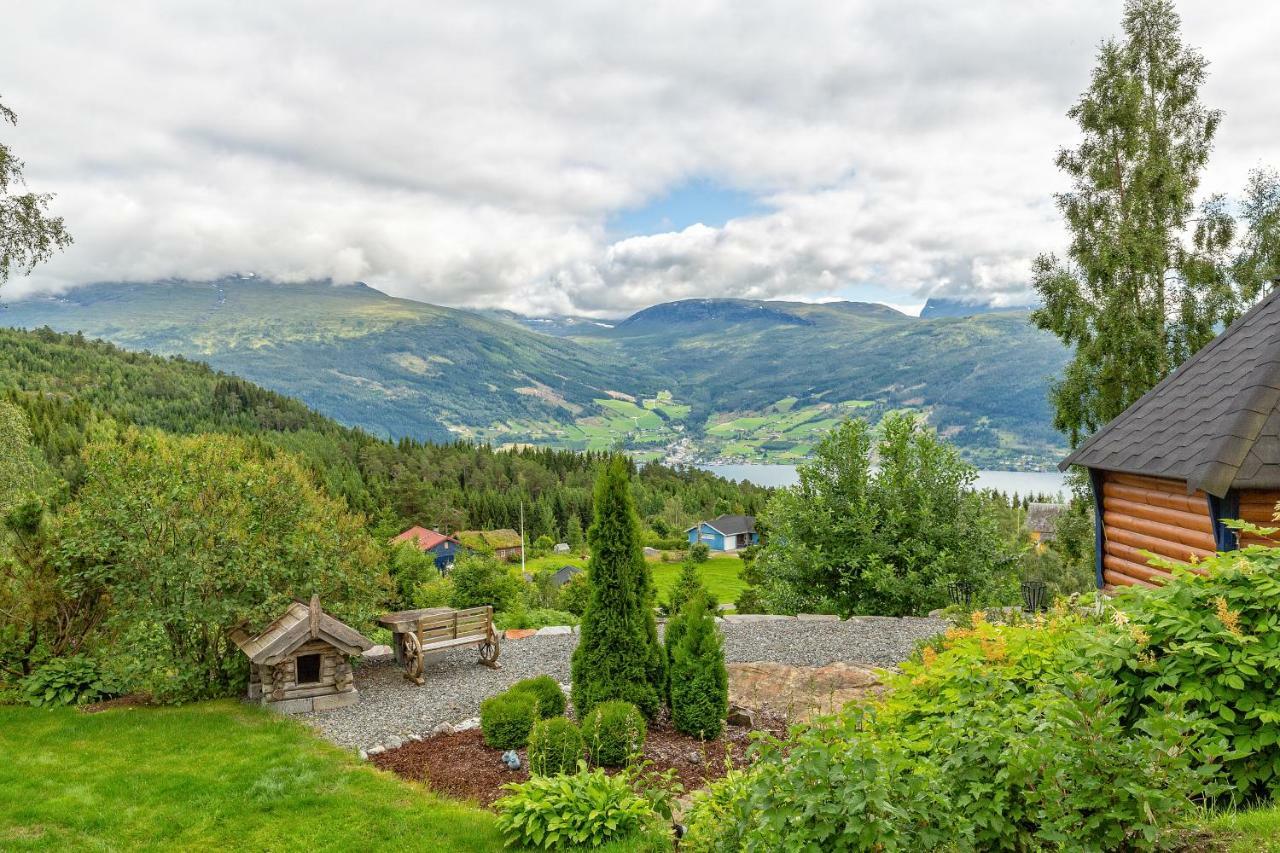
point(459, 623)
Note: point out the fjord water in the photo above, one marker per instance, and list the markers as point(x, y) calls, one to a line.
point(1016, 482)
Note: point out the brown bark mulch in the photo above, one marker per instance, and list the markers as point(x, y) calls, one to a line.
point(460, 766)
point(129, 700)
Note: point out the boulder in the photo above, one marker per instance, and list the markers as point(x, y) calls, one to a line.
point(800, 692)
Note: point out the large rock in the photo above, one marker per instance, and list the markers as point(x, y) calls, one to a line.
point(800, 692)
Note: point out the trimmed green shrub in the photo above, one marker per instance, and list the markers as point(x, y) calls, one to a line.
point(506, 719)
point(555, 746)
point(546, 692)
point(614, 732)
point(618, 655)
point(588, 808)
point(699, 682)
point(75, 680)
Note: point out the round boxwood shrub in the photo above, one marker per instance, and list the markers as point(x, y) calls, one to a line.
point(547, 693)
point(614, 732)
point(507, 718)
point(555, 745)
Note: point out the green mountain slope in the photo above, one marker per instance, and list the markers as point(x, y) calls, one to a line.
point(752, 370)
point(697, 379)
point(393, 366)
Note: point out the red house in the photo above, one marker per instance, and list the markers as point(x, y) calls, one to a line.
point(444, 547)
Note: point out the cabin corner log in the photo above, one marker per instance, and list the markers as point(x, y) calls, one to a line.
point(1143, 516)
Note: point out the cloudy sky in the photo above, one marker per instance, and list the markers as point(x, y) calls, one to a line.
point(583, 157)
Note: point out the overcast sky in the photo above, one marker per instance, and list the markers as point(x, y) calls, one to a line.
point(574, 158)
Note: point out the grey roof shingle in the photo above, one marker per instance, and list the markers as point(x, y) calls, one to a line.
point(1212, 422)
point(732, 525)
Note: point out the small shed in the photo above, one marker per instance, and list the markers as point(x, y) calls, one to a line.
point(299, 662)
point(1201, 447)
point(1042, 521)
point(563, 575)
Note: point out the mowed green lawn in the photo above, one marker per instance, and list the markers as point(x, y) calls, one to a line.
point(722, 575)
point(215, 776)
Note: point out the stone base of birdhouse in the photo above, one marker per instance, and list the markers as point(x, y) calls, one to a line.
point(307, 704)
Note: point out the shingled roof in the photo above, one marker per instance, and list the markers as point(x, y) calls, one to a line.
point(298, 624)
point(1214, 422)
point(732, 525)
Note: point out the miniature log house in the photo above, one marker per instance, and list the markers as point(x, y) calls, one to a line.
point(300, 661)
point(1201, 447)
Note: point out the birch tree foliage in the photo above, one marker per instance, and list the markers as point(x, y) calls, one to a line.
point(1151, 274)
point(28, 234)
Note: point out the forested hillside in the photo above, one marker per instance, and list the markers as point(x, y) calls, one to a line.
point(66, 383)
point(702, 379)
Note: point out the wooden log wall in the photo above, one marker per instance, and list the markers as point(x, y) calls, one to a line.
point(1150, 514)
point(1259, 507)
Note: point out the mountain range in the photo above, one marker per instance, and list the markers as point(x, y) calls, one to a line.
point(701, 379)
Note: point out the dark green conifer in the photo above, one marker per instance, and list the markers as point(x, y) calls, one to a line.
point(699, 681)
point(618, 656)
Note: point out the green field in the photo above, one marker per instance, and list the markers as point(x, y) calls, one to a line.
point(214, 776)
point(721, 575)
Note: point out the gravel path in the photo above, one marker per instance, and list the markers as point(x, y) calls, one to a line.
point(391, 707)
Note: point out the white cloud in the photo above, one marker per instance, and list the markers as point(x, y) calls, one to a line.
point(471, 153)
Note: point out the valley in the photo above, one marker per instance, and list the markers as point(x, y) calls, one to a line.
point(709, 380)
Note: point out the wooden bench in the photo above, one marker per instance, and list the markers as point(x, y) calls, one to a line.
point(434, 629)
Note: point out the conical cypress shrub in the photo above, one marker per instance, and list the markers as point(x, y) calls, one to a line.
point(618, 655)
point(699, 682)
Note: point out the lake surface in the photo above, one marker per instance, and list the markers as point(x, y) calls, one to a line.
point(1019, 482)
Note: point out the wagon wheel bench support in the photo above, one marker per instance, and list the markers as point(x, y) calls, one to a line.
point(420, 632)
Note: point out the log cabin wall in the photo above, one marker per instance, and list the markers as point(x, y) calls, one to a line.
point(1150, 514)
point(1258, 507)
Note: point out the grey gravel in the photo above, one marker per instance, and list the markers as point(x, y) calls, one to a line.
point(392, 708)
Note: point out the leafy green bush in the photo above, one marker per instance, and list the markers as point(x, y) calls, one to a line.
point(410, 568)
point(587, 808)
point(546, 693)
point(853, 537)
point(555, 746)
point(538, 618)
point(699, 682)
point(574, 594)
point(614, 732)
point(1208, 644)
point(712, 817)
point(480, 579)
point(433, 592)
point(1000, 741)
point(74, 680)
point(507, 719)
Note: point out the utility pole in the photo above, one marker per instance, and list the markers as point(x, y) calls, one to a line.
point(522, 572)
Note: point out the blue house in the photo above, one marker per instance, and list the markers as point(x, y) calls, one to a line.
point(444, 548)
point(727, 533)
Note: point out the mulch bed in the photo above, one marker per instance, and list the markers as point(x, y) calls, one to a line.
point(130, 700)
point(460, 766)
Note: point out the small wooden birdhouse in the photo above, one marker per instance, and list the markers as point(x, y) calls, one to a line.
point(299, 663)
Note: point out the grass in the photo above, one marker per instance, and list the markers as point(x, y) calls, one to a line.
point(213, 775)
point(722, 575)
point(1254, 831)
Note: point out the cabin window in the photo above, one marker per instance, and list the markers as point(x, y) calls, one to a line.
point(308, 669)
